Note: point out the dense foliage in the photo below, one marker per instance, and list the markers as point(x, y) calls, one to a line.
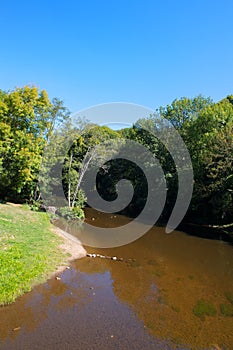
point(28, 120)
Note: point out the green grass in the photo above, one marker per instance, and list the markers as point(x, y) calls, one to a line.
point(204, 308)
point(29, 251)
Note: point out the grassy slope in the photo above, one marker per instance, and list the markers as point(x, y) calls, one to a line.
point(29, 251)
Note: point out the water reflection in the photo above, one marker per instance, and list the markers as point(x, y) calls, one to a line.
point(129, 304)
point(80, 311)
point(169, 275)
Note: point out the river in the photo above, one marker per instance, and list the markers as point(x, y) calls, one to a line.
point(146, 301)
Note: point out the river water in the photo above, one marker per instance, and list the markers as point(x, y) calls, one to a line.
point(145, 301)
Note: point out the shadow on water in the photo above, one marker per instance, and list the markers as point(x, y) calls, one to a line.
point(143, 303)
point(80, 311)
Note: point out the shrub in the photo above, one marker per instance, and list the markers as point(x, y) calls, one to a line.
point(67, 213)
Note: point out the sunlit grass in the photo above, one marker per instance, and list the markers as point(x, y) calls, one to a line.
point(29, 251)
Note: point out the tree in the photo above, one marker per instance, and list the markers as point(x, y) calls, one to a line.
point(209, 139)
point(184, 110)
point(27, 118)
point(80, 154)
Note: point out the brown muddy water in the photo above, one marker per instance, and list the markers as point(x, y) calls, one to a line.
point(143, 303)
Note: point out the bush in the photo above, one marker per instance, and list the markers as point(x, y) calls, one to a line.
point(67, 213)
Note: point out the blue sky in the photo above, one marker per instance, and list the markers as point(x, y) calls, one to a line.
point(144, 52)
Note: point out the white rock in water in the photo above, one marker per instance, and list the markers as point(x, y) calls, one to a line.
point(16, 329)
point(114, 258)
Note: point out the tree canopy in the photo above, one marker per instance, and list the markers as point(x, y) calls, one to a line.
point(29, 120)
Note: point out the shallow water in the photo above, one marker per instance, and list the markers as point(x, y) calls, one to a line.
point(143, 303)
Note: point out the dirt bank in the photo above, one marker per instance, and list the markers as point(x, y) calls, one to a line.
point(71, 246)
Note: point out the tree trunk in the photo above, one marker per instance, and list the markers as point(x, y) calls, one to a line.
point(69, 184)
point(82, 171)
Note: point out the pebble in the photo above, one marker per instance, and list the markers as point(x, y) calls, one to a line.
point(58, 278)
point(16, 329)
point(115, 258)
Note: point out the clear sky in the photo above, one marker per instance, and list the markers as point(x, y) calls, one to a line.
point(88, 52)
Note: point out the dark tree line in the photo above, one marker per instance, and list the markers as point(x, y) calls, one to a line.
point(29, 119)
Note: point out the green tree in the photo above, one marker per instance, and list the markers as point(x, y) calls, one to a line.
point(209, 139)
point(82, 151)
point(27, 118)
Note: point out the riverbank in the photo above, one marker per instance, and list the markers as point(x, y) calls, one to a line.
point(208, 231)
point(32, 250)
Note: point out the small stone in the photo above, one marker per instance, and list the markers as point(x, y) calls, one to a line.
point(114, 258)
point(91, 287)
point(58, 278)
point(16, 329)
point(93, 255)
point(93, 294)
point(67, 267)
point(92, 219)
point(112, 336)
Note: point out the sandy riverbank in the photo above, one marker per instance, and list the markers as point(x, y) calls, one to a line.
point(71, 246)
